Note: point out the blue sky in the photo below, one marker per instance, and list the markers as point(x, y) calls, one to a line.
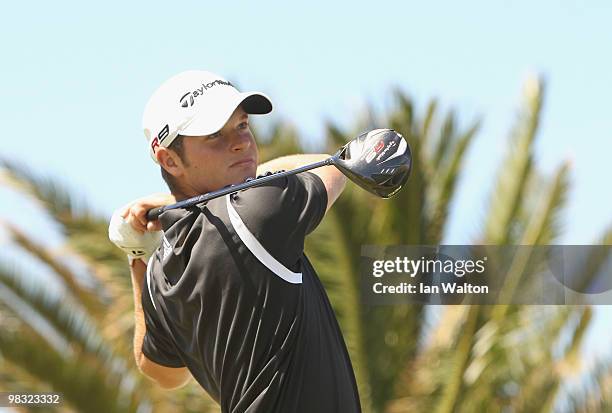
point(76, 76)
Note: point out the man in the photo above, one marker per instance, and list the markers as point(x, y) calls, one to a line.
point(229, 298)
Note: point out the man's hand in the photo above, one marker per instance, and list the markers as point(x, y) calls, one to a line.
point(132, 233)
point(135, 213)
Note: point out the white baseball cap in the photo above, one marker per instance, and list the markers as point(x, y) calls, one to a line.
point(195, 103)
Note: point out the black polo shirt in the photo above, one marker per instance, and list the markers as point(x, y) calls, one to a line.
point(231, 296)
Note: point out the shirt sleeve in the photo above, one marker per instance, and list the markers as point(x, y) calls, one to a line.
point(156, 345)
point(281, 213)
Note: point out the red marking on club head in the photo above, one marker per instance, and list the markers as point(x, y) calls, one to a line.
point(379, 146)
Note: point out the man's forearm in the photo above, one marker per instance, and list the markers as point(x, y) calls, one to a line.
point(166, 377)
point(138, 269)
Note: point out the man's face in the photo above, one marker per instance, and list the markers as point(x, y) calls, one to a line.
point(214, 161)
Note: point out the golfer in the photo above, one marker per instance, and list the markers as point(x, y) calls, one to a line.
point(229, 298)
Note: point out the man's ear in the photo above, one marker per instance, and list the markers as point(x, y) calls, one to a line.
point(170, 161)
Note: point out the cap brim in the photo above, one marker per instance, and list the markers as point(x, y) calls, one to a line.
point(212, 119)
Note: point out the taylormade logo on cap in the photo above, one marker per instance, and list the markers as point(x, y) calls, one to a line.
point(189, 98)
point(195, 103)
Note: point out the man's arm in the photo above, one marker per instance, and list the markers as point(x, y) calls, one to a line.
point(166, 377)
point(332, 178)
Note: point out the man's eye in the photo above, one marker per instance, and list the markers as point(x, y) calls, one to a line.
point(243, 125)
point(214, 135)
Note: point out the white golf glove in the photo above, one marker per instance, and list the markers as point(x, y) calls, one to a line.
point(135, 244)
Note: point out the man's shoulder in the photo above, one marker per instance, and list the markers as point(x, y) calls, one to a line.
point(285, 190)
point(177, 217)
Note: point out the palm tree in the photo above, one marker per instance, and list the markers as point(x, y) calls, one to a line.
point(452, 372)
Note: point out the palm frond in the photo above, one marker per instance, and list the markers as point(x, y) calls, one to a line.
point(428, 121)
point(335, 137)
point(571, 358)
point(513, 361)
point(442, 144)
point(586, 275)
point(421, 384)
point(452, 386)
point(444, 183)
point(88, 239)
point(405, 109)
point(65, 317)
point(424, 131)
point(401, 118)
point(516, 169)
point(539, 228)
point(48, 193)
point(543, 228)
point(594, 395)
point(568, 365)
point(86, 232)
point(64, 273)
point(83, 383)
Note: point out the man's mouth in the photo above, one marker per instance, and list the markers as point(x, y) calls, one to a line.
point(244, 162)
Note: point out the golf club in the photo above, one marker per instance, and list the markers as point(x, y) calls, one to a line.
point(379, 161)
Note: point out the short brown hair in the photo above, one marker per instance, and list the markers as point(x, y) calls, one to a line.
point(178, 148)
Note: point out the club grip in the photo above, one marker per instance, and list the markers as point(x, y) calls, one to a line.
point(153, 214)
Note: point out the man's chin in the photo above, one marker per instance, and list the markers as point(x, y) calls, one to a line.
point(245, 173)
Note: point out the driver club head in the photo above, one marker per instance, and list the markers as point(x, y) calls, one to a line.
point(379, 161)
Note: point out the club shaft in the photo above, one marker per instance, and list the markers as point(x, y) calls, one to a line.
point(154, 213)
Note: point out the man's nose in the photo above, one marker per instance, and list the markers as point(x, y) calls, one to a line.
point(240, 141)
